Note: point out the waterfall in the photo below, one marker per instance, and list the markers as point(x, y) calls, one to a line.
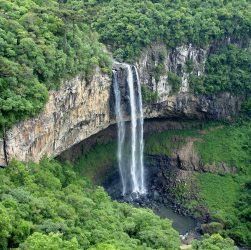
point(121, 130)
point(132, 171)
point(141, 135)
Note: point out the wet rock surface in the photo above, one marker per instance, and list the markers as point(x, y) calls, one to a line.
point(159, 200)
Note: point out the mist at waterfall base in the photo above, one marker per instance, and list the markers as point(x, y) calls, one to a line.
point(133, 180)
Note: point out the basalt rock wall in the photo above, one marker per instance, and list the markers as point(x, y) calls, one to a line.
point(80, 109)
point(76, 111)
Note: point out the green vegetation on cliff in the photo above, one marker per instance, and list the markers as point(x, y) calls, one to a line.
point(227, 143)
point(41, 43)
point(47, 206)
point(94, 163)
point(227, 69)
point(149, 96)
point(166, 142)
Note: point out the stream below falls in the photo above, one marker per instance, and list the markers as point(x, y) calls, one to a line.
point(185, 225)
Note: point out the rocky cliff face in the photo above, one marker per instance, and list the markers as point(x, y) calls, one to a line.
point(217, 107)
point(157, 62)
point(73, 113)
point(155, 66)
point(80, 109)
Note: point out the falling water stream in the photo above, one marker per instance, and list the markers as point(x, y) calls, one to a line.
point(136, 163)
point(130, 149)
point(141, 136)
point(133, 168)
point(121, 131)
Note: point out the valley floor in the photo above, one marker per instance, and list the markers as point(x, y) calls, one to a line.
point(205, 172)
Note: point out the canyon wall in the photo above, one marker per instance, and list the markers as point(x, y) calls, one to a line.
point(80, 109)
point(155, 65)
point(157, 61)
point(73, 113)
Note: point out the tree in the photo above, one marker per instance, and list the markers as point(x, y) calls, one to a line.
point(5, 227)
point(214, 242)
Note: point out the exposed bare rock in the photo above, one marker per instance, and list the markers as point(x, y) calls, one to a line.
point(175, 61)
point(187, 156)
point(217, 107)
point(220, 168)
point(188, 159)
point(2, 156)
point(73, 113)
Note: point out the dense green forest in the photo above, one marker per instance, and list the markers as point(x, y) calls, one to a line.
point(227, 69)
point(51, 205)
point(129, 26)
point(41, 43)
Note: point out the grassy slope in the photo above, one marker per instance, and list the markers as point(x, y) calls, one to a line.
point(164, 143)
point(219, 193)
point(229, 144)
point(222, 195)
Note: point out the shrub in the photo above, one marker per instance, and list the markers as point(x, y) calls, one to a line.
point(149, 96)
point(175, 82)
